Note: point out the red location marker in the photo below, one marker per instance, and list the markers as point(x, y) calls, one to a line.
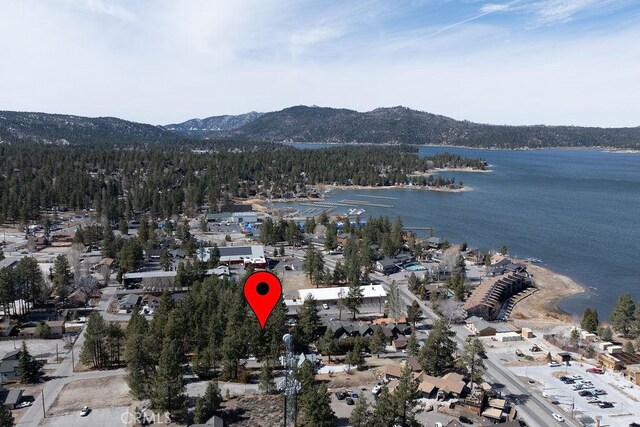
point(262, 291)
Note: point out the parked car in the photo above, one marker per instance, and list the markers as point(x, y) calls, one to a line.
point(595, 371)
point(376, 389)
point(554, 364)
point(23, 405)
point(593, 399)
point(576, 377)
point(576, 387)
point(325, 306)
point(605, 405)
point(85, 411)
point(339, 395)
point(350, 401)
point(559, 418)
point(599, 392)
point(584, 393)
point(464, 420)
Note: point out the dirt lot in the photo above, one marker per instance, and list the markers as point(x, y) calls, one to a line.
point(540, 310)
point(98, 393)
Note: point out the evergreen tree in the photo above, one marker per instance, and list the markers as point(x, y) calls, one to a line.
point(378, 341)
point(1, 254)
point(384, 413)
point(267, 384)
point(93, 351)
point(471, 360)
point(305, 376)
point(628, 347)
point(328, 344)
point(212, 400)
point(590, 320)
point(405, 399)
point(165, 260)
point(361, 414)
point(413, 348)
point(354, 298)
point(28, 370)
point(394, 302)
point(636, 323)
point(315, 405)
point(414, 312)
point(6, 418)
point(61, 276)
point(622, 317)
point(308, 321)
point(331, 236)
point(436, 355)
point(140, 365)
point(234, 343)
point(167, 393)
point(354, 356)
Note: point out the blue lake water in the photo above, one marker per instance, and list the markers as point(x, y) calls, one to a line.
point(577, 210)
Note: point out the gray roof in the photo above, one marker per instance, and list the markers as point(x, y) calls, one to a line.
point(8, 262)
point(13, 354)
point(235, 251)
point(150, 274)
point(482, 324)
point(7, 366)
point(129, 299)
point(387, 262)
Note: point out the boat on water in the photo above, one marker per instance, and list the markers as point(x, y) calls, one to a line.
point(534, 260)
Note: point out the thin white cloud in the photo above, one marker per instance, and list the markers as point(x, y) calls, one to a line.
point(300, 41)
point(494, 7)
point(109, 8)
point(560, 11)
point(487, 9)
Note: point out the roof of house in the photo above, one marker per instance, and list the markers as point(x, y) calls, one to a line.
point(400, 341)
point(494, 413)
point(8, 366)
point(55, 323)
point(386, 262)
point(482, 325)
point(11, 354)
point(393, 370)
point(129, 299)
point(414, 363)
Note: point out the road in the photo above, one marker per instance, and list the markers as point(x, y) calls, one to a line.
point(64, 375)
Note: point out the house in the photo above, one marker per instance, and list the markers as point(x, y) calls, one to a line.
point(10, 398)
point(150, 301)
point(56, 328)
point(434, 242)
point(178, 253)
point(476, 256)
point(311, 357)
point(399, 343)
point(214, 421)
point(392, 372)
point(481, 328)
point(414, 364)
point(343, 238)
point(35, 244)
point(450, 384)
point(386, 266)
point(128, 301)
point(9, 364)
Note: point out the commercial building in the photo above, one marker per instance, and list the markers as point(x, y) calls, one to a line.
point(234, 255)
point(370, 294)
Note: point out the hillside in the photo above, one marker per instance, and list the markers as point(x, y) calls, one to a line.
point(66, 129)
point(212, 125)
point(403, 125)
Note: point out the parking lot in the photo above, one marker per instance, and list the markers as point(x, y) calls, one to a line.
point(624, 397)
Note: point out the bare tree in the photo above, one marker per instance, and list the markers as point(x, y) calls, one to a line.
point(452, 310)
point(74, 260)
point(105, 270)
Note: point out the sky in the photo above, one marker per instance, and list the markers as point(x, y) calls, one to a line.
point(573, 62)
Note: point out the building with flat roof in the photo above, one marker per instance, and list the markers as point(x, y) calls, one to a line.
point(231, 255)
point(371, 294)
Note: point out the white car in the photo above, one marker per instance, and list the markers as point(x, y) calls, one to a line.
point(23, 405)
point(85, 411)
point(375, 390)
point(325, 306)
point(554, 364)
point(559, 418)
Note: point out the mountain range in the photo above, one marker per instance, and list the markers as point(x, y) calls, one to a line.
point(396, 125)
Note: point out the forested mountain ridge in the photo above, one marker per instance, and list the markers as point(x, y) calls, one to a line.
point(67, 129)
point(403, 125)
point(212, 125)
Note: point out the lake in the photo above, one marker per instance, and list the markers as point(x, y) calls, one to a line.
point(577, 210)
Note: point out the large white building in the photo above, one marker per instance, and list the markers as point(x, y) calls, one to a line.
point(250, 254)
point(370, 294)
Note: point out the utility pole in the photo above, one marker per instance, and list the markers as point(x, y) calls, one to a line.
point(73, 362)
point(44, 411)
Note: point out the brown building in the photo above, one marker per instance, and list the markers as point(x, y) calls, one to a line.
point(486, 300)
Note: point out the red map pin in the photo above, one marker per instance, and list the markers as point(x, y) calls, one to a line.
point(262, 291)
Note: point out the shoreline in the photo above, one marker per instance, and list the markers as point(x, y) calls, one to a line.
point(541, 310)
point(391, 187)
point(595, 147)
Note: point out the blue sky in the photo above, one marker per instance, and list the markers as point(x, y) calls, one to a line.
point(161, 61)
